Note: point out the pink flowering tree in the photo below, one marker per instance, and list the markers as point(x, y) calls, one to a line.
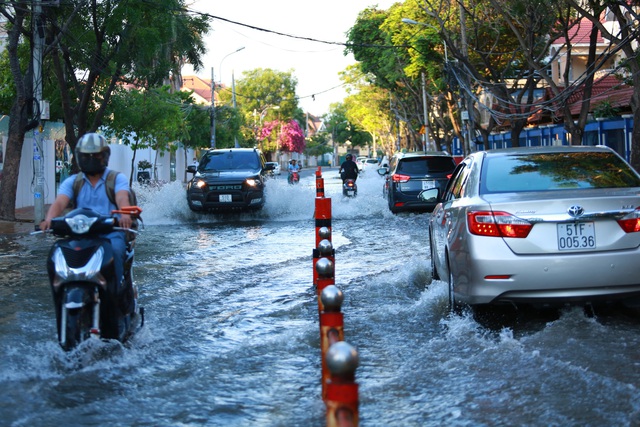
point(285, 136)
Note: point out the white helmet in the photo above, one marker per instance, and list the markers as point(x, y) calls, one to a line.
point(92, 153)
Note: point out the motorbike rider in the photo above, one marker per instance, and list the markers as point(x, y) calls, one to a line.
point(293, 167)
point(92, 154)
point(348, 169)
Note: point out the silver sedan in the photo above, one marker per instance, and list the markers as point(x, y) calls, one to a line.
point(542, 226)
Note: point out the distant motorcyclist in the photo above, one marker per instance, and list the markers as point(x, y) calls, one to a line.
point(348, 169)
point(294, 171)
point(293, 166)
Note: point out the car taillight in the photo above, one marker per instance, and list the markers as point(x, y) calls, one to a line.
point(631, 222)
point(497, 224)
point(396, 177)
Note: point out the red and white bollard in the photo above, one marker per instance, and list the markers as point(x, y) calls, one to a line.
point(319, 183)
point(331, 326)
point(342, 391)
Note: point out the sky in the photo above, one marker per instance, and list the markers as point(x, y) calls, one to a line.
point(315, 65)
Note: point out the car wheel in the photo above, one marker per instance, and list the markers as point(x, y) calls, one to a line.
point(434, 271)
point(454, 306)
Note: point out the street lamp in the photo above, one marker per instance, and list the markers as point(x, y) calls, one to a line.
point(412, 22)
point(213, 98)
point(225, 57)
point(263, 113)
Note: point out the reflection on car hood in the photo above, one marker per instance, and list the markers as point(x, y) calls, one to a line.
point(229, 174)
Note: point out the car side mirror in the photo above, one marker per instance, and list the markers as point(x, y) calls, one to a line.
point(191, 169)
point(269, 167)
point(432, 195)
point(383, 171)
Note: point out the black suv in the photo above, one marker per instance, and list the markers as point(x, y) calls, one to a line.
point(409, 174)
point(228, 179)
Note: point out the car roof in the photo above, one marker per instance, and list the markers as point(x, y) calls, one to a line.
point(423, 154)
point(218, 150)
point(547, 149)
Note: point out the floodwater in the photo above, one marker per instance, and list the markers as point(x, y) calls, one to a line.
point(232, 336)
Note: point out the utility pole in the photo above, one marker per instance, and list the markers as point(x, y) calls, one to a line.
point(426, 139)
point(233, 97)
point(213, 110)
point(38, 161)
point(465, 87)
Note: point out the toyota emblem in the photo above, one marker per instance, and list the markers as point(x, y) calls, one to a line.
point(575, 211)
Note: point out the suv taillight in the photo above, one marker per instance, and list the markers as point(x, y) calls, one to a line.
point(397, 177)
point(497, 224)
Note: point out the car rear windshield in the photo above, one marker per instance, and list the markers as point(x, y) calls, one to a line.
point(556, 171)
point(426, 165)
point(229, 160)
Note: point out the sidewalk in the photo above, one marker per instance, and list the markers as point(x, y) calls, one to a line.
point(22, 224)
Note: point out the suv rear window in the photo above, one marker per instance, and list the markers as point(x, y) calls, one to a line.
point(426, 165)
point(229, 160)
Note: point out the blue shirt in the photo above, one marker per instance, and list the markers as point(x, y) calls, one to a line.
point(94, 197)
point(294, 168)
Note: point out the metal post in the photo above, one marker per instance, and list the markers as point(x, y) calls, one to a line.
point(426, 141)
point(233, 97)
point(213, 110)
point(465, 87)
point(38, 161)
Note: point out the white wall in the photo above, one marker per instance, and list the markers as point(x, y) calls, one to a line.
point(120, 160)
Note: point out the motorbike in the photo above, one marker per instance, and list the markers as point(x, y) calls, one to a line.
point(293, 178)
point(349, 188)
point(88, 301)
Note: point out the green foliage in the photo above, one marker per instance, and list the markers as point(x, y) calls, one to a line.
point(318, 144)
point(605, 109)
point(100, 45)
point(144, 165)
point(148, 118)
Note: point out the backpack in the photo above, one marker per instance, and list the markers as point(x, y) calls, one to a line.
point(110, 187)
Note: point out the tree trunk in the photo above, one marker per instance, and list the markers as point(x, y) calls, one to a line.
point(15, 141)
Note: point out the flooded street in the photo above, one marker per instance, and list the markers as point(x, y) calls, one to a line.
point(232, 337)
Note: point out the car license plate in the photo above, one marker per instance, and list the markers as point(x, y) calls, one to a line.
point(576, 235)
point(225, 198)
point(428, 184)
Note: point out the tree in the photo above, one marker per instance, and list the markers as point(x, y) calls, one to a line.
point(146, 118)
point(267, 98)
point(21, 118)
point(625, 40)
point(92, 47)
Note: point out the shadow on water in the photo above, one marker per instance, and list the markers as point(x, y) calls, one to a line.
point(526, 319)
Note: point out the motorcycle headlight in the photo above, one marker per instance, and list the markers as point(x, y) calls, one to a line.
point(80, 224)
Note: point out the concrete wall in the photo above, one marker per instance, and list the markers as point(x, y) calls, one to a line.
point(120, 160)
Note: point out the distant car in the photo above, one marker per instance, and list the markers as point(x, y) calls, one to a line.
point(543, 225)
point(276, 168)
point(360, 162)
point(369, 164)
point(409, 174)
point(228, 179)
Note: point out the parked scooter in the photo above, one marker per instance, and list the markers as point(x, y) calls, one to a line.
point(349, 188)
point(293, 178)
point(88, 302)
